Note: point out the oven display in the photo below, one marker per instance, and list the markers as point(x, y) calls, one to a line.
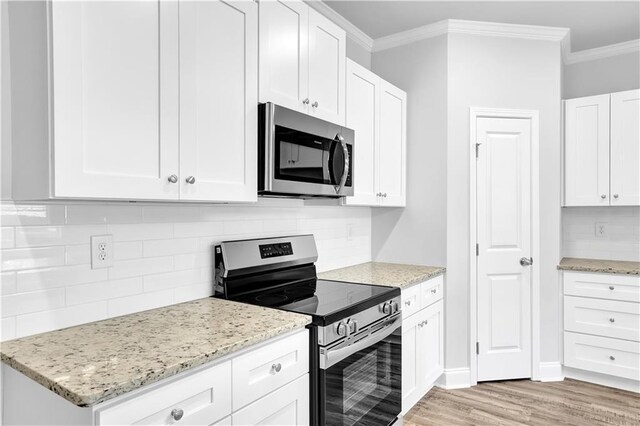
point(275, 250)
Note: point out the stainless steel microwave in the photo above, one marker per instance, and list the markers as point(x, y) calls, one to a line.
point(302, 156)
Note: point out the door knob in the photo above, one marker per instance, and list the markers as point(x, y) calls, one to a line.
point(191, 180)
point(526, 261)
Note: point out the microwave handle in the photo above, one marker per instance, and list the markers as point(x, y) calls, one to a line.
point(343, 180)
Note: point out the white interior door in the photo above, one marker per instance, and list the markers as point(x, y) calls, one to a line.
point(625, 148)
point(218, 100)
point(115, 67)
point(284, 57)
point(392, 145)
point(363, 116)
point(504, 239)
point(586, 151)
point(327, 72)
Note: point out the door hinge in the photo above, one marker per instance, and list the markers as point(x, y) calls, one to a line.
point(478, 149)
point(477, 249)
point(477, 348)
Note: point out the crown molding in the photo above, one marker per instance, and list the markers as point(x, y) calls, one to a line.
point(457, 26)
point(631, 46)
point(353, 32)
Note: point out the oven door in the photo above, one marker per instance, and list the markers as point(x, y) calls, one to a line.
point(360, 383)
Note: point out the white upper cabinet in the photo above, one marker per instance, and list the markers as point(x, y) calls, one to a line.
point(602, 150)
point(127, 100)
point(218, 100)
point(114, 97)
point(376, 111)
point(302, 60)
point(625, 148)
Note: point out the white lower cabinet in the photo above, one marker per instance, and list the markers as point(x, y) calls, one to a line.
point(422, 341)
point(267, 385)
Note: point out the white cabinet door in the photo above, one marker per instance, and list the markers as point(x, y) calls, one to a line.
point(586, 151)
point(327, 55)
point(430, 345)
point(284, 58)
point(410, 359)
point(218, 100)
point(392, 151)
point(363, 116)
point(625, 148)
point(289, 405)
point(115, 84)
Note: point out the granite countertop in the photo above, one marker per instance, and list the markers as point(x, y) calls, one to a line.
point(600, 265)
point(92, 363)
point(387, 274)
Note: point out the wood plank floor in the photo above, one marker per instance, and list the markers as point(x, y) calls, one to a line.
point(523, 402)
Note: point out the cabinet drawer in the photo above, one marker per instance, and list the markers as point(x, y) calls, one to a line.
point(431, 291)
point(608, 318)
point(410, 300)
point(287, 406)
point(603, 355)
point(604, 286)
point(265, 369)
point(204, 398)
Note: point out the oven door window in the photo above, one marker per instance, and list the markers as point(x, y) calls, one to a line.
point(364, 388)
point(302, 157)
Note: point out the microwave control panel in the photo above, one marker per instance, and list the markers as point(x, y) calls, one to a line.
point(275, 250)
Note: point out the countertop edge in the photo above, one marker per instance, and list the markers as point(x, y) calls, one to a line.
point(603, 266)
point(123, 388)
point(596, 270)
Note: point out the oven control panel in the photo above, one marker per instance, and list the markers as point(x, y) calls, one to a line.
point(275, 250)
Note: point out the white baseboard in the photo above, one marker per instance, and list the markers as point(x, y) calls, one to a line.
point(551, 372)
point(455, 378)
point(602, 379)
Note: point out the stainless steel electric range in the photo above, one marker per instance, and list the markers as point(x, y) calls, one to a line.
point(355, 334)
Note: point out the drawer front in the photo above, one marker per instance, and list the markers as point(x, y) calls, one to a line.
point(267, 368)
point(432, 291)
point(607, 318)
point(287, 406)
point(615, 357)
point(604, 286)
point(410, 300)
point(204, 398)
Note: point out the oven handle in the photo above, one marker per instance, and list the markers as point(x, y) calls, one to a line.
point(343, 180)
point(333, 356)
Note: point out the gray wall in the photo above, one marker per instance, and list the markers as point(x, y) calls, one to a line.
point(606, 75)
point(358, 53)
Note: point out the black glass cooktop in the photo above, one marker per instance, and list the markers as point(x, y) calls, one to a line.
point(324, 300)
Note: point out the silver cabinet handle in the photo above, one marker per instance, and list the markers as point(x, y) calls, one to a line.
point(172, 178)
point(611, 287)
point(177, 414)
point(526, 261)
point(423, 323)
point(612, 319)
point(615, 195)
point(612, 358)
point(191, 180)
point(306, 101)
point(276, 368)
point(315, 104)
point(603, 196)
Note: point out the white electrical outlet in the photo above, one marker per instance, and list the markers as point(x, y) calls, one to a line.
point(101, 251)
point(602, 230)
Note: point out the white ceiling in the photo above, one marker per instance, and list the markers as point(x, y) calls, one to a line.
point(592, 23)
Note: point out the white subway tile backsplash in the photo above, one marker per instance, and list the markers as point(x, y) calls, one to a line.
point(163, 254)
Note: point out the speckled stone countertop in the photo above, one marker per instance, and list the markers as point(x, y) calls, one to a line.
point(388, 274)
point(92, 363)
point(600, 265)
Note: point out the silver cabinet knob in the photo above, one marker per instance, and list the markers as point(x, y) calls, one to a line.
point(306, 101)
point(612, 319)
point(526, 261)
point(423, 323)
point(191, 180)
point(434, 290)
point(407, 303)
point(315, 104)
point(615, 195)
point(603, 196)
point(177, 414)
point(611, 287)
point(384, 195)
point(172, 178)
point(612, 358)
point(276, 368)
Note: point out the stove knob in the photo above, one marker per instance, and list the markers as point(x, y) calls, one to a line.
point(342, 329)
point(395, 306)
point(386, 308)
